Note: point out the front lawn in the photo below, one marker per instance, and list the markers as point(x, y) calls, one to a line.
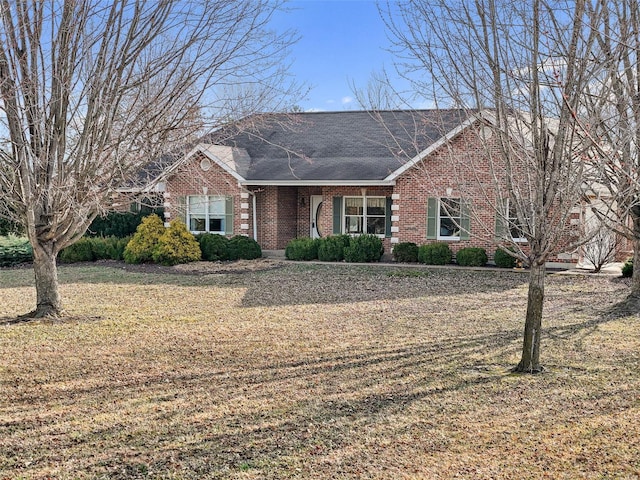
point(316, 372)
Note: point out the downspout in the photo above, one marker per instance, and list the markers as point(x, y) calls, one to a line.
point(253, 215)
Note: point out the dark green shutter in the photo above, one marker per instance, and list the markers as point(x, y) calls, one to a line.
point(180, 209)
point(501, 221)
point(432, 218)
point(465, 220)
point(228, 216)
point(387, 220)
point(337, 215)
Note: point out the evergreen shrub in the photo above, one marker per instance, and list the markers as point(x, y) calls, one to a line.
point(214, 247)
point(405, 252)
point(364, 248)
point(245, 248)
point(627, 268)
point(176, 245)
point(144, 242)
point(119, 224)
point(472, 257)
point(81, 251)
point(331, 248)
point(437, 253)
point(14, 250)
point(503, 260)
point(302, 249)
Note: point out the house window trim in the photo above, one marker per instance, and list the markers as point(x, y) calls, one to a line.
point(207, 215)
point(364, 215)
point(448, 238)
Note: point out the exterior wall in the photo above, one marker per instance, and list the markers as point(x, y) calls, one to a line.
point(190, 179)
point(277, 214)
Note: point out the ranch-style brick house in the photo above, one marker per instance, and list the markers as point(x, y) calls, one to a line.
point(387, 173)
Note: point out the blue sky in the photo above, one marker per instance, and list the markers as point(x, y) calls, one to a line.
point(342, 42)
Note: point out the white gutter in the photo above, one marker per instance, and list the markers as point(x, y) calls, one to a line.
point(311, 183)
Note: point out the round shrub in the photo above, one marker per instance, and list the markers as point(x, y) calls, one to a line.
point(472, 257)
point(144, 242)
point(241, 247)
point(331, 248)
point(503, 260)
point(214, 247)
point(405, 252)
point(302, 249)
point(437, 253)
point(176, 245)
point(81, 251)
point(364, 248)
point(627, 268)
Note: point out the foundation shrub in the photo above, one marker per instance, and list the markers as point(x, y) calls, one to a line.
point(81, 251)
point(364, 249)
point(503, 260)
point(245, 248)
point(214, 247)
point(144, 242)
point(331, 248)
point(472, 257)
point(302, 249)
point(627, 268)
point(405, 252)
point(176, 245)
point(437, 253)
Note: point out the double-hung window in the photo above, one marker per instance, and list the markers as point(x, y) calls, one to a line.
point(448, 219)
point(208, 213)
point(365, 215)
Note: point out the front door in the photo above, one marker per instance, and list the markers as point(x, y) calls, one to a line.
point(316, 208)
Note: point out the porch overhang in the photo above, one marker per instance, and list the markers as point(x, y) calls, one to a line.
point(318, 183)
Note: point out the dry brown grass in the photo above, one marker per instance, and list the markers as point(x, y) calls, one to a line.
point(316, 372)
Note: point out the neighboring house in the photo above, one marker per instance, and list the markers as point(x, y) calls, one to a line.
point(315, 174)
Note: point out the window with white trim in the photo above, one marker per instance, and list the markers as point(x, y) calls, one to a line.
point(206, 213)
point(449, 219)
point(365, 215)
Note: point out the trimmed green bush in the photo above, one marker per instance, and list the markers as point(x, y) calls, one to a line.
point(81, 251)
point(14, 250)
point(331, 248)
point(364, 248)
point(214, 247)
point(405, 252)
point(437, 253)
point(144, 242)
point(503, 260)
point(627, 268)
point(472, 257)
point(176, 245)
point(245, 248)
point(302, 249)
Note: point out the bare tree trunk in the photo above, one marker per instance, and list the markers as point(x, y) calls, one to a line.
point(46, 276)
point(530, 362)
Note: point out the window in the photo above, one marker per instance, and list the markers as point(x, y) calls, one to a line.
point(365, 215)
point(515, 226)
point(211, 214)
point(449, 219)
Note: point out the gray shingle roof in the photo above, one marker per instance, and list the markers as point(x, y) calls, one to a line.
point(337, 146)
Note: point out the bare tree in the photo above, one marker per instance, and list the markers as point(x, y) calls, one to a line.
point(91, 91)
point(522, 69)
point(614, 104)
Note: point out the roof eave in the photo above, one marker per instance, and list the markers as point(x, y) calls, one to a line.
point(315, 183)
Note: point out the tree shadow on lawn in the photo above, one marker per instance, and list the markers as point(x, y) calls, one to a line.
point(321, 414)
